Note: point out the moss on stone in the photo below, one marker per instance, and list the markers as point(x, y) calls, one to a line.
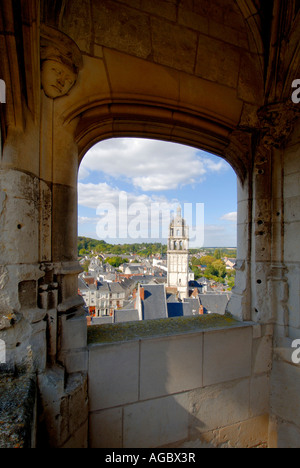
point(17, 401)
point(110, 333)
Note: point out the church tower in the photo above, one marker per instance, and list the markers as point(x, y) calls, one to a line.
point(178, 255)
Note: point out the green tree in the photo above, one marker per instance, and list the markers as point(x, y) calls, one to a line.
point(217, 268)
point(197, 272)
point(116, 261)
point(218, 254)
point(206, 260)
point(85, 266)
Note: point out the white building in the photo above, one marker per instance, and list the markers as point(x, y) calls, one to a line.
point(102, 299)
point(178, 256)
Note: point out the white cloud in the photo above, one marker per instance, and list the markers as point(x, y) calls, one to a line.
point(122, 215)
point(92, 195)
point(148, 164)
point(83, 173)
point(87, 220)
point(219, 236)
point(230, 217)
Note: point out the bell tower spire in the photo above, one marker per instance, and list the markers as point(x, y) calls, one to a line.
point(178, 255)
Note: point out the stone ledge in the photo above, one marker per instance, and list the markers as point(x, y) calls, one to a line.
point(17, 411)
point(132, 331)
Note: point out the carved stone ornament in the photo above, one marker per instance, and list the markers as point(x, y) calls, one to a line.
point(277, 122)
point(61, 61)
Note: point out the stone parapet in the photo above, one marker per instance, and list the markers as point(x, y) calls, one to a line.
point(166, 389)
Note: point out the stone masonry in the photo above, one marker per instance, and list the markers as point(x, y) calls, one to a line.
point(216, 75)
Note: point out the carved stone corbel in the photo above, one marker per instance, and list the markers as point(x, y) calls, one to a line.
point(276, 123)
point(61, 61)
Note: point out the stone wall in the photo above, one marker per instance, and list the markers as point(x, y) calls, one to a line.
point(285, 392)
point(211, 75)
point(210, 387)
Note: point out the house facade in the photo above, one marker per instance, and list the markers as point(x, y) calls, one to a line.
point(217, 76)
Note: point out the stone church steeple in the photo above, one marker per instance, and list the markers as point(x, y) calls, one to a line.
point(178, 255)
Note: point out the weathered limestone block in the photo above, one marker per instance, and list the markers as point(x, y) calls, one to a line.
point(63, 217)
point(227, 355)
point(262, 354)
point(246, 434)
point(250, 82)
point(25, 342)
point(106, 428)
point(288, 435)
point(76, 23)
point(167, 421)
point(207, 404)
point(284, 398)
point(174, 46)
point(117, 388)
point(22, 328)
point(293, 278)
point(45, 221)
point(65, 409)
point(182, 362)
point(121, 28)
point(19, 217)
point(218, 61)
point(164, 8)
point(260, 395)
point(72, 341)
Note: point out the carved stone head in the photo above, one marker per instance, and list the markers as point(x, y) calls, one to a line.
point(60, 63)
point(57, 78)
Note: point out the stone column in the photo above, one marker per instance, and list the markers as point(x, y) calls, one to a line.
point(63, 384)
point(22, 327)
point(60, 64)
point(239, 151)
point(268, 278)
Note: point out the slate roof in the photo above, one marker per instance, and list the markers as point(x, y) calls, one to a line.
point(126, 315)
point(191, 305)
point(175, 309)
point(116, 288)
point(101, 320)
point(214, 303)
point(171, 297)
point(82, 286)
point(154, 305)
point(103, 287)
point(186, 308)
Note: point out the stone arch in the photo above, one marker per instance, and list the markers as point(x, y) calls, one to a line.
point(192, 72)
point(165, 76)
point(141, 120)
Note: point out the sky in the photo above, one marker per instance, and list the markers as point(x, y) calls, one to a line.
point(129, 189)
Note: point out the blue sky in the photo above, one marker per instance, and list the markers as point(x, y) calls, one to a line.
point(122, 182)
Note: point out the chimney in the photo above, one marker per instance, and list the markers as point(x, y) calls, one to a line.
point(142, 293)
point(201, 310)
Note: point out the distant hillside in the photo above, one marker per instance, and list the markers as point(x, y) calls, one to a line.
point(86, 245)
